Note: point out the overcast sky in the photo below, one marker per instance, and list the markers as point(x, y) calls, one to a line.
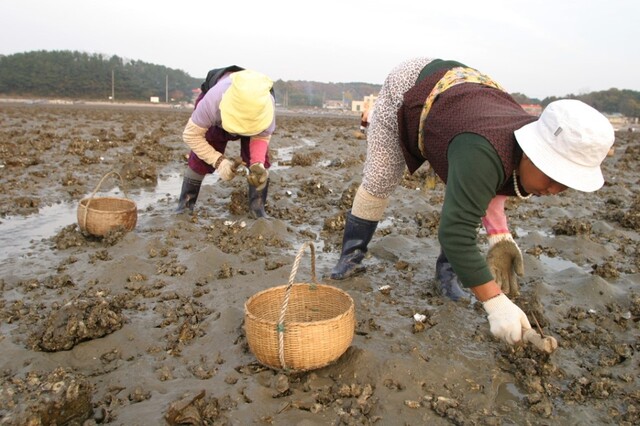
point(540, 48)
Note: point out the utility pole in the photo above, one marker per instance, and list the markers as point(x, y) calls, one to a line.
point(113, 89)
point(166, 89)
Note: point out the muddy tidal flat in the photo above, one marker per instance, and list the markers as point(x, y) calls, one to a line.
point(147, 327)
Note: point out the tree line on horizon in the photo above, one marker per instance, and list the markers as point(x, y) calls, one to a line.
point(86, 76)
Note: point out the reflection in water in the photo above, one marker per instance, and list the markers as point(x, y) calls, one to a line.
point(19, 233)
point(286, 154)
point(508, 394)
point(558, 264)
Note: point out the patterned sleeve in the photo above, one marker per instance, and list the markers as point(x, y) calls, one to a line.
point(384, 166)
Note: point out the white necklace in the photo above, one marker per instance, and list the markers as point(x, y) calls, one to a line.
point(515, 186)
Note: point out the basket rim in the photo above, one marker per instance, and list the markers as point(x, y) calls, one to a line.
point(83, 204)
point(250, 315)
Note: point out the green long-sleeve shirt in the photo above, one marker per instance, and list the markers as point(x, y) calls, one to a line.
point(475, 174)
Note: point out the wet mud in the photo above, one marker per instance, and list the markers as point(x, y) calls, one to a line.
point(146, 327)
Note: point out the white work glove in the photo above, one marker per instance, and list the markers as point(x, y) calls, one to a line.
point(505, 262)
point(227, 169)
point(258, 175)
point(506, 319)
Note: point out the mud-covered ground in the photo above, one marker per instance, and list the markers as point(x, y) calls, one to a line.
point(146, 327)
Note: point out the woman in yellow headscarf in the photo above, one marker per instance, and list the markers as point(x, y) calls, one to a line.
point(237, 104)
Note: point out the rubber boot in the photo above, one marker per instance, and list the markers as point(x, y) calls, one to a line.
point(357, 235)
point(257, 201)
point(189, 194)
point(448, 280)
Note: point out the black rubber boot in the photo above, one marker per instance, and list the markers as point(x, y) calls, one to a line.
point(448, 280)
point(189, 194)
point(257, 201)
point(357, 235)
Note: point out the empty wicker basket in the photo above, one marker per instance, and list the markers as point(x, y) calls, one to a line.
point(299, 326)
point(99, 215)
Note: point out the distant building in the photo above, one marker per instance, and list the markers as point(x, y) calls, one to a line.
point(533, 109)
point(333, 105)
point(365, 104)
point(619, 121)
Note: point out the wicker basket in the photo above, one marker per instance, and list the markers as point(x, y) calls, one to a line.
point(99, 215)
point(299, 326)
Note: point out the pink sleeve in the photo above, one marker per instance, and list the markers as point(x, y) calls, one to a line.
point(258, 149)
point(495, 221)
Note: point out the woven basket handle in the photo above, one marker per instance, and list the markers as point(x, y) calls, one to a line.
point(86, 210)
point(285, 303)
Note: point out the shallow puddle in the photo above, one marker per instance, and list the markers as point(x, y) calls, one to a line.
point(558, 264)
point(19, 233)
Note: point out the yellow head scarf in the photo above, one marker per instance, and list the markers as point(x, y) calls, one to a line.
point(246, 107)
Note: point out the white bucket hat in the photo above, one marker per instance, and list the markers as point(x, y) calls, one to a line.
point(568, 143)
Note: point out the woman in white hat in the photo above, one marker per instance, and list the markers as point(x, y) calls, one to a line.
point(235, 104)
point(485, 147)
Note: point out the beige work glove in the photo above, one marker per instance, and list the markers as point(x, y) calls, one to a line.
point(505, 262)
point(227, 168)
point(506, 319)
point(258, 175)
